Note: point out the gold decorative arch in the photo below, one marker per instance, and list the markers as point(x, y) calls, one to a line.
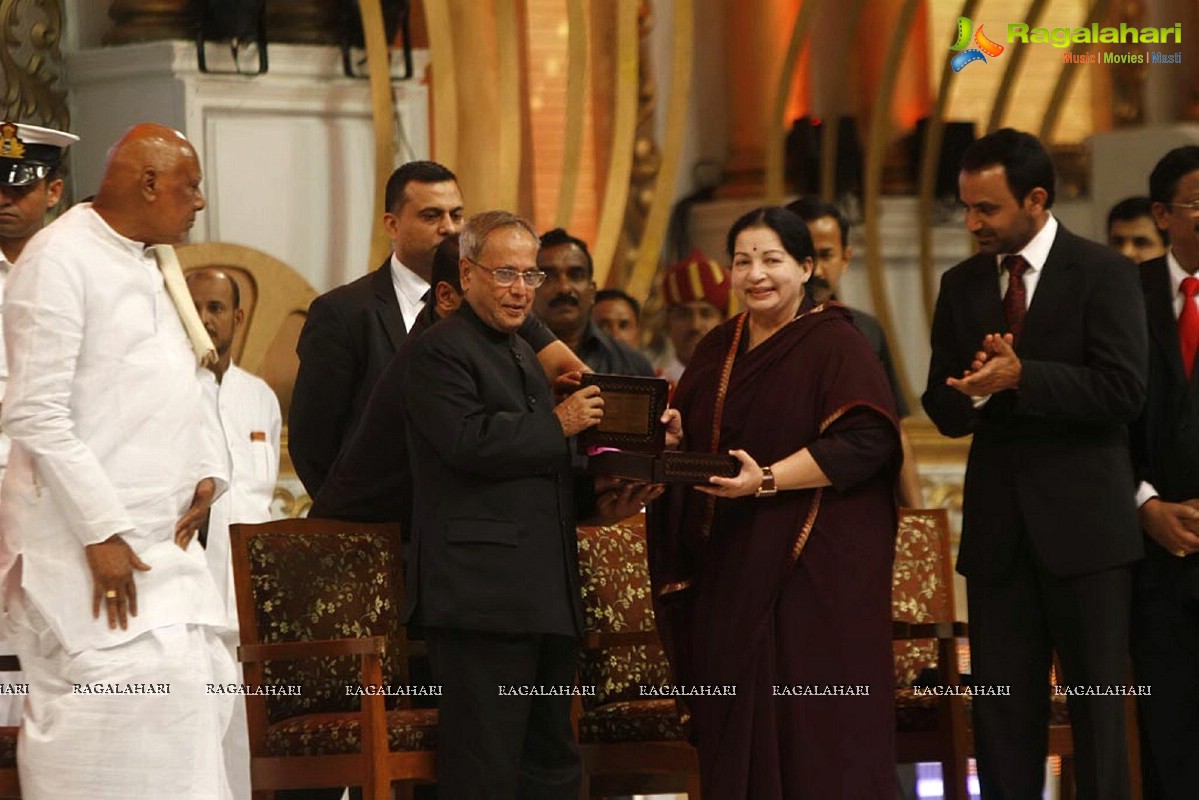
point(880, 119)
point(775, 122)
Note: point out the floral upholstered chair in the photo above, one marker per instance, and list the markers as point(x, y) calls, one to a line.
point(319, 606)
point(929, 727)
point(631, 743)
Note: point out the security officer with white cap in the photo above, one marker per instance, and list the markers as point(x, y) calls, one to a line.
point(30, 186)
point(29, 182)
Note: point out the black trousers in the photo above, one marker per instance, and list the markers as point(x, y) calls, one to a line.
point(1165, 651)
point(1016, 624)
point(495, 744)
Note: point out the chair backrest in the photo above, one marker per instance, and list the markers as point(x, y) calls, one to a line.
point(275, 298)
point(614, 574)
point(922, 585)
point(313, 579)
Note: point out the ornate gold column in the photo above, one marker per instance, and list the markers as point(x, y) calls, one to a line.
point(32, 64)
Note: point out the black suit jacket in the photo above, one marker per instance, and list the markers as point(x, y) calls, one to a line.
point(350, 335)
point(494, 544)
point(1166, 436)
point(1052, 457)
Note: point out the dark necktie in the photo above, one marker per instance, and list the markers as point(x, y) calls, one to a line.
point(1015, 299)
point(1188, 324)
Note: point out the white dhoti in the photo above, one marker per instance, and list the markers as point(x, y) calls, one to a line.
point(135, 720)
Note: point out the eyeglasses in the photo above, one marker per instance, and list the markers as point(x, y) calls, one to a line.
point(506, 276)
point(1192, 206)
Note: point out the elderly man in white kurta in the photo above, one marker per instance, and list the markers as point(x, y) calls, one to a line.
point(251, 422)
point(116, 457)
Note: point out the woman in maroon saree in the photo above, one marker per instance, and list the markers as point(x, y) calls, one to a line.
point(787, 596)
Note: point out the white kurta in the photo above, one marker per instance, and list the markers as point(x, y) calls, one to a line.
point(5, 268)
point(111, 432)
point(252, 422)
point(10, 704)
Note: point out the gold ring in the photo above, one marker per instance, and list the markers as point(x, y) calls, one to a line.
point(1180, 553)
point(111, 594)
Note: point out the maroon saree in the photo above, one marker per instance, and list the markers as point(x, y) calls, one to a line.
point(792, 591)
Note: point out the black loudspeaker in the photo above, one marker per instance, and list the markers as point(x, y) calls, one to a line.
point(955, 138)
point(396, 15)
point(238, 22)
point(803, 156)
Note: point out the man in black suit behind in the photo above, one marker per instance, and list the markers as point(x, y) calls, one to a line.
point(1038, 350)
point(353, 331)
point(493, 564)
point(1165, 629)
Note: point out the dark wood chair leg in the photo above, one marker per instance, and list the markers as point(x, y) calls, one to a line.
point(1066, 787)
point(955, 776)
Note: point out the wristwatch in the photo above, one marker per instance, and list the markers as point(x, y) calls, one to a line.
point(767, 489)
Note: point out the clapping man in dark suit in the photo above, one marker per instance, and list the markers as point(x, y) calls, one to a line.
point(354, 330)
point(1039, 350)
point(493, 564)
point(1165, 629)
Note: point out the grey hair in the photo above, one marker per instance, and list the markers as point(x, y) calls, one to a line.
point(480, 226)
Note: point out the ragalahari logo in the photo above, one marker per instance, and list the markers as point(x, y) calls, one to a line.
point(983, 46)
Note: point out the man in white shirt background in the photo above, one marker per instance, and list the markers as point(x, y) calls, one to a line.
point(30, 186)
point(250, 418)
point(115, 461)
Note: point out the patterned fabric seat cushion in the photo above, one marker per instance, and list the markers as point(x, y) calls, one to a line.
point(346, 592)
point(654, 720)
point(918, 592)
point(8, 747)
point(919, 712)
point(340, 733)
point(617, 597)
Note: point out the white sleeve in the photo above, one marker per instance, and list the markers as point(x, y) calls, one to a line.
point(43, 330)
point(214, 460)
point(1145, 493)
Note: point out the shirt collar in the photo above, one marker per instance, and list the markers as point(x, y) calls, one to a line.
point(1036, 252)
point(1177, 273)
point(412, 286)
point(104, 229)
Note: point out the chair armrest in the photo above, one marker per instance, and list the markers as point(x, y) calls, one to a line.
point(597, 640)
point(929, 630)
point(321, 648)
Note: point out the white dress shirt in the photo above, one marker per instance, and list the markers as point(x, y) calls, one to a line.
point(410, 291)
point(111, 432)
point(1035, 253)
point(1146, 491)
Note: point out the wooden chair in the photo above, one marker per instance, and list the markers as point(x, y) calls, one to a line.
point(928, 635)
point(630, 744)
point(319, 606)
point(10, 785)
point(275, 298)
